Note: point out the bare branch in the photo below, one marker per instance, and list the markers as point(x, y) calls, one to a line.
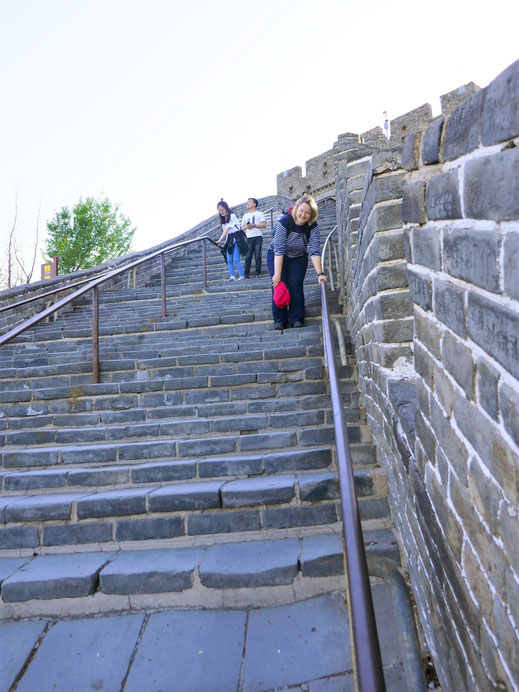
point(31, 271)
point(13, 265)
point(10, 243)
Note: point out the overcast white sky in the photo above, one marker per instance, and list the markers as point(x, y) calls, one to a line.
point(168, 105)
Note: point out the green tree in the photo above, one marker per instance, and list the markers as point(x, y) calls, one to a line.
point(93, 232)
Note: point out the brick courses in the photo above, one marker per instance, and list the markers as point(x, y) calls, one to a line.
point(440, 374)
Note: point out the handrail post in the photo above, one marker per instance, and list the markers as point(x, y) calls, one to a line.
point(95, 335)
point(36, 319)
point(272, 221)
point(204, 258)
point(163, 283)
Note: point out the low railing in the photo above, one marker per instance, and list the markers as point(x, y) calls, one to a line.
point(39, 296)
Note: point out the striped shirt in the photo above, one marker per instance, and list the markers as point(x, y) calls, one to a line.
point(295, 244)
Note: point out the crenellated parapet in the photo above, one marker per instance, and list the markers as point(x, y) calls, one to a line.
point(320, 171)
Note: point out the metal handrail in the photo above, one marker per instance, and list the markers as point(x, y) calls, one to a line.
point(10, 306)
point(93, 286)
point(325, 246)
point(367, 661)
point(39, 296)
point(360, 567)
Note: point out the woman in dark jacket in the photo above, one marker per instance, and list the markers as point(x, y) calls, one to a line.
point(296, 237)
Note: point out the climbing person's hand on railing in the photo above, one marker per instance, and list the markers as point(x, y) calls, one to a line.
point(321, 276)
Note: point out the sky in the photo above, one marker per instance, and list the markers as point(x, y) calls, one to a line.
point(166, 106)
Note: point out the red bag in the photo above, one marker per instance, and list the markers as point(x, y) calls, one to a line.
point(281, 295)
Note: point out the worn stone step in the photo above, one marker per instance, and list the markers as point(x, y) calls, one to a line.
point(183, 509)
point(208, 352)
point(136, 409)
point(197, 389)
point(26, 416)
point(13, 458)
point(188, 340)
point(200, 427)
point(195, 495)
point(37, 584)
point(124, 475)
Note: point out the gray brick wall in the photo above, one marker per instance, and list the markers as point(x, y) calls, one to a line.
point(429, 252)
point(462, 219)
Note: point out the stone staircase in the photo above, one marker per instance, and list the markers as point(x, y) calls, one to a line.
point(200, 470)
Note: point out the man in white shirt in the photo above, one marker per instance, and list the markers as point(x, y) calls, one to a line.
point(253, 223)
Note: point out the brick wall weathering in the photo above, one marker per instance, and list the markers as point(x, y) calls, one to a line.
point(429, 246)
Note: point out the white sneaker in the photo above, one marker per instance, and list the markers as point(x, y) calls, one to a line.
point(231, 278)
point(240, 278)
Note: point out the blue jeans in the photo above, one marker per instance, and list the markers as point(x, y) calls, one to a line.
point(292, 274)
point(234, 259)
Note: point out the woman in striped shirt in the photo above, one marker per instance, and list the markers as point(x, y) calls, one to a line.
point(296, 237)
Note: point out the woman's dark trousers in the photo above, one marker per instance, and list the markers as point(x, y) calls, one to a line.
point(292, 274)
point(255, 244)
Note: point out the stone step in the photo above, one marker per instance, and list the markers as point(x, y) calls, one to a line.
point(208, 388)
point(26, 416)
point(240, 376)
point(244, 570)
point(223, 364)
point(129, 475)
point(136, 409)
point(27, 419)
point(182, 510)
point(36, 342)
point(184, 426)
point(144, 331)
point(160, 344)
point(174, 447)
point(261, 331)
point(213, 297)
point(177, 320)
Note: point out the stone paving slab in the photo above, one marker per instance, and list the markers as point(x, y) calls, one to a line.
point(189, 650)
point(84, 655)
point(17, 639)
point(292, 644)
